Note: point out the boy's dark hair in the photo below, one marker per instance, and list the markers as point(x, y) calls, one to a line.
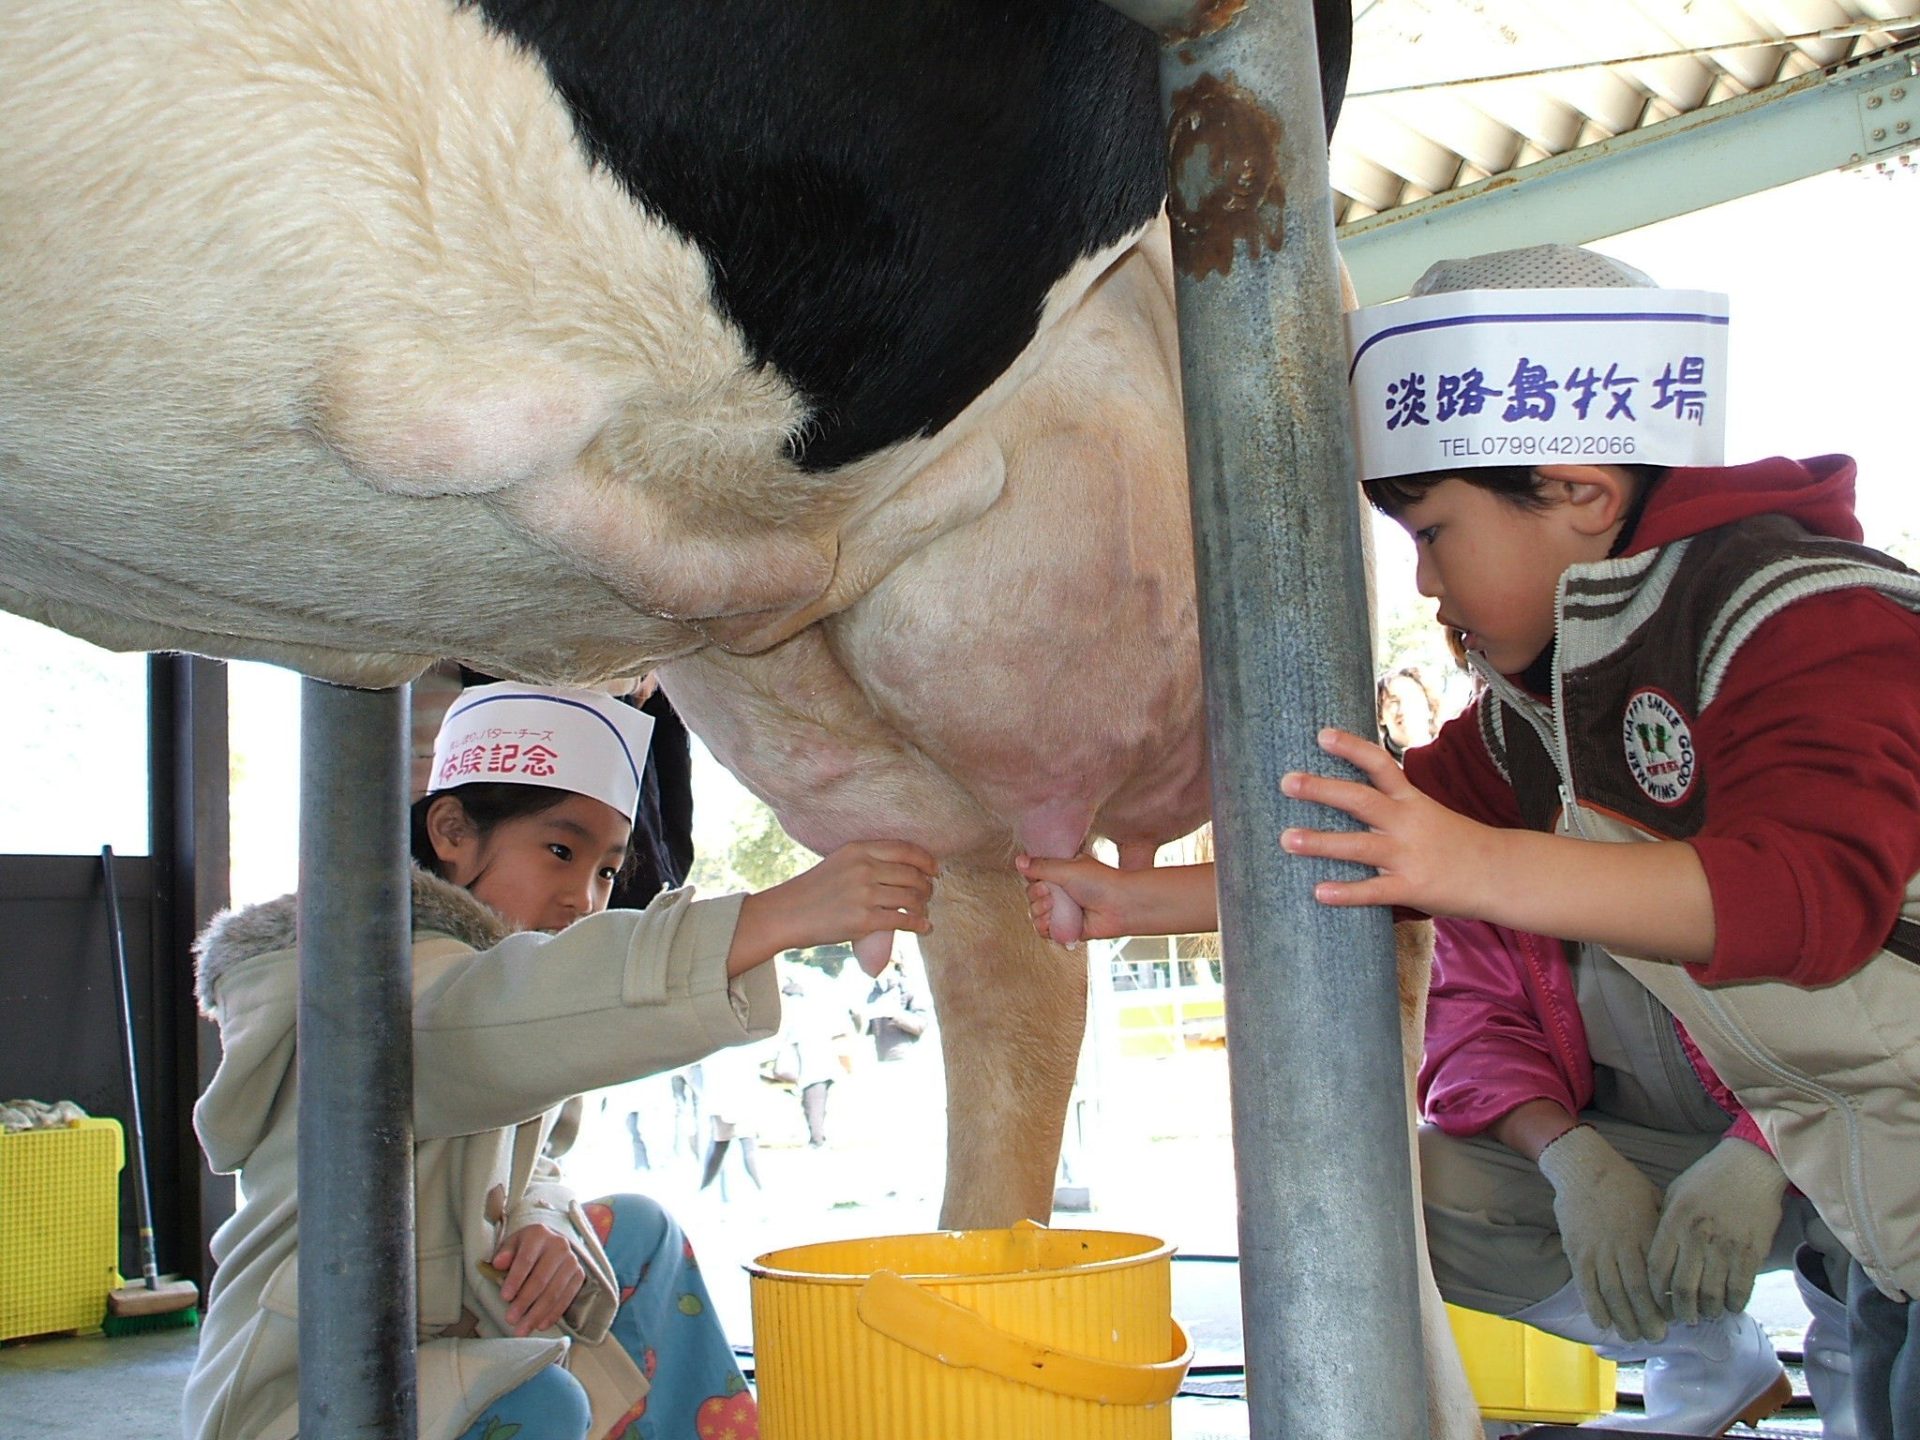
point(1398, 493)
point(1517, 484)
point(487, 803)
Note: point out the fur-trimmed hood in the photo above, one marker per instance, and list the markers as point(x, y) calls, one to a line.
point(248, 983)
point(242, 934)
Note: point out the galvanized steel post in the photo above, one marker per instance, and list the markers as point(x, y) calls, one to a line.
point(357, 1300)
point(1327, 1257)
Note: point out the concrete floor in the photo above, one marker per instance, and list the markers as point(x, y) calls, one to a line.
point(129, 1389)
point(95, 1389)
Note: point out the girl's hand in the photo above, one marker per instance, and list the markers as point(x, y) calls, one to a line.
point(1428, 857)
point(542, 1277)
point(1098, 889)
point(860, 888)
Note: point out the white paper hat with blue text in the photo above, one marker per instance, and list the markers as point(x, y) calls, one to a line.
point(1543, 356)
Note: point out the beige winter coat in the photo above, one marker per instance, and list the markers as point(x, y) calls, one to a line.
point(506, 1029)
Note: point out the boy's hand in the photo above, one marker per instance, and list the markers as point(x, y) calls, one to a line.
point(1098, 889)
point(1429, 858)
point(863, 887)
point(542, 1275)
point(1651, 899)
point(1148, 900)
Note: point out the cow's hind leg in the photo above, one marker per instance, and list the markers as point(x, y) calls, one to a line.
point(1012, 1008)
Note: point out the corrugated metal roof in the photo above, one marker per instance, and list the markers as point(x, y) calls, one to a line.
point(1447, 92)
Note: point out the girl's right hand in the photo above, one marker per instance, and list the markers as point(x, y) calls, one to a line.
point(540, 1275)
point(862, 887)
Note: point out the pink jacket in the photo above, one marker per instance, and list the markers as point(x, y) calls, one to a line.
point(1504, 1027)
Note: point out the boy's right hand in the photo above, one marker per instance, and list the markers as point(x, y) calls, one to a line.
point(862, 887)
point(1097, 888)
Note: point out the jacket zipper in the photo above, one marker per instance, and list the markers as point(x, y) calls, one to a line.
point(1834, 1099)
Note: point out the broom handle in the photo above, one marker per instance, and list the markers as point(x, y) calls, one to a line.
point(149, 1267)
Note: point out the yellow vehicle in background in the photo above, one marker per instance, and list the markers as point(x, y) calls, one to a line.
point(1167, 996)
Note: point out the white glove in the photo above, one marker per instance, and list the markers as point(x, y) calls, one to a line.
point(1715, 1228)
point(1607, 1212)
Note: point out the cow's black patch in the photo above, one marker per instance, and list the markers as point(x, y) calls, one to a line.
point(885, 191)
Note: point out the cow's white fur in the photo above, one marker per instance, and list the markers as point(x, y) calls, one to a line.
point(302, 360)
point(329, 293)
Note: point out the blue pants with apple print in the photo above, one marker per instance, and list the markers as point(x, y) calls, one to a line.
point(666, 1323)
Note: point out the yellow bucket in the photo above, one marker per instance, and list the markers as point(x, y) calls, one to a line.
point(968, 1333)
point(1519, 1373)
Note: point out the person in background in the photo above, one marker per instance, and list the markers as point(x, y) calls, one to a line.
point(539, 1316)
point(1408, 708)
point(895, 1018)
point(726, 1083)
point(818, 1025)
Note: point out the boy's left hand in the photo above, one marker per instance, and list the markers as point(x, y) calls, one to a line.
point(1097, 888)
point(542, 1277)
point(1428, 857)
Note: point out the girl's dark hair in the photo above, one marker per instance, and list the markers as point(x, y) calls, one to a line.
point(487, 803)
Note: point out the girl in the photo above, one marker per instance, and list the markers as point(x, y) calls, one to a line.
point(536, 1312)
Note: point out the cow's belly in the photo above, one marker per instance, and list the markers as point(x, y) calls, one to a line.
point(1029, 677)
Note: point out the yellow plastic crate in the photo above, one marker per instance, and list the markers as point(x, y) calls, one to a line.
point(59, 1227)
point(1520, 1373)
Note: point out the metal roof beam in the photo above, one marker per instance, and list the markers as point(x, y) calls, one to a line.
point(1824, 120)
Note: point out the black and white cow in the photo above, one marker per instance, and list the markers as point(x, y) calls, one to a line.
point(822, 349)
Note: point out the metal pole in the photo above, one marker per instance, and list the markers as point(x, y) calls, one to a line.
point(1327, 1277)
point(357, 1301)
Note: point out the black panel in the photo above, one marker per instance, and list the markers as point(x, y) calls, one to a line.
point(187, 763)
point(59, 1018)
point(59, 1025)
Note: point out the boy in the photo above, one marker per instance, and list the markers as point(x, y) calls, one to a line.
point(1699, 659)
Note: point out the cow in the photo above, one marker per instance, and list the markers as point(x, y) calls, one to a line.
point(820, 353)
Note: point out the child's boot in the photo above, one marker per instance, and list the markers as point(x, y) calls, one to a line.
point(1829, 1364)
point(1699, 1379)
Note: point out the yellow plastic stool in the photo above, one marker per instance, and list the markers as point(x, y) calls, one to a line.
point(59, 1227)
point(1520, 1373)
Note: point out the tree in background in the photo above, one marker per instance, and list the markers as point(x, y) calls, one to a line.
point(1904, 546)
point(758, 856)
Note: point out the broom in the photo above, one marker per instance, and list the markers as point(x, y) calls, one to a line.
point(161, 1302)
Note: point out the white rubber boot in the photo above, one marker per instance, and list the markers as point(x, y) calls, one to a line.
point(1829, 1364)
point(1699, 1379)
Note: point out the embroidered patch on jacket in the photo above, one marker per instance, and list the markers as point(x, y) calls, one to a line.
point(1659, 745)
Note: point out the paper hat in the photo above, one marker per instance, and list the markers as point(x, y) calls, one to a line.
point(1548, 355)
point(514, 734)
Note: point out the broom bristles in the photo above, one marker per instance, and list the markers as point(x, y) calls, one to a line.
point(116, 1326)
